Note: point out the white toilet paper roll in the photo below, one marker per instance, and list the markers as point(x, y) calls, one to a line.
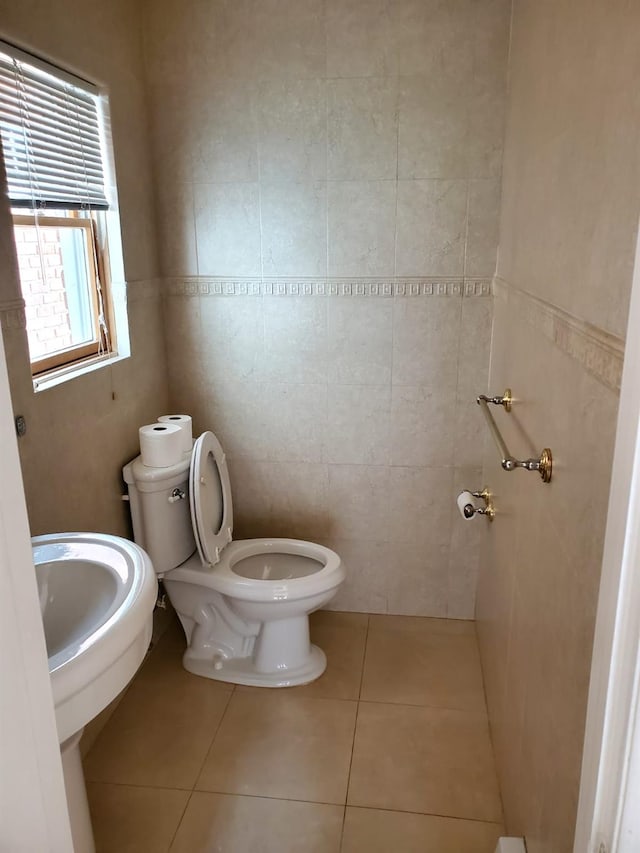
point(160, 445)
point(464, 499)
point(185, 424)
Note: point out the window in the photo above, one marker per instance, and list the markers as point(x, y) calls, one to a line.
point(64, 308)
point(50, 128)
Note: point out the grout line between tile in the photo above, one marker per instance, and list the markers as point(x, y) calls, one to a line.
point(364, 656)
point(489, 721)
point(344, 818)
point(346, 796)
point(213, 738)
point(429, 707)
point(355, 729)
point(138, 785)
point(496, 823)
point(397, 179)
point(266, 797)
point(466, 228)
point(177, 829)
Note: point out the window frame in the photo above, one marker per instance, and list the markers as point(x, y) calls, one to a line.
point(107, 304)
point(101, 346)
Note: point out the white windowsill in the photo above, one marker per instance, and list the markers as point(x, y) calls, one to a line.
point(65, 374)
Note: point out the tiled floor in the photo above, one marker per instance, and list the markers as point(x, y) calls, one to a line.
point(389, 750)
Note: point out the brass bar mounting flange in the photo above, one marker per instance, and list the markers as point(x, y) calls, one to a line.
point(505, 401)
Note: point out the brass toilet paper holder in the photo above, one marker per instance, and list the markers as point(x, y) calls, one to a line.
point(487, 510)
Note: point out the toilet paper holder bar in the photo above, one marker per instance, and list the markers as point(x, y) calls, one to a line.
point(543, 465)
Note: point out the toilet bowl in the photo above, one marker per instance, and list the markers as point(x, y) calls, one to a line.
point(244, 605)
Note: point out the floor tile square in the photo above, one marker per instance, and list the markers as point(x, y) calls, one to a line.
point(425, 760)
point(128, 819)
point(282, 745)
point(222, 823)
point(423, 667)
point(161, 731)
point(381, 831)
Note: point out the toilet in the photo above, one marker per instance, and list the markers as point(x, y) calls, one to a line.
point(244, 605)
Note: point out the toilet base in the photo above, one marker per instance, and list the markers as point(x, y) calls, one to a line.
point(244, 670)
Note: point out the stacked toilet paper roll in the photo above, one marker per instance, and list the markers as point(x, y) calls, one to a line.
point(186, 427)
point(160, 445)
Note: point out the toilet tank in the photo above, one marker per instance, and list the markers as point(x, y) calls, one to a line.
point(161, 517)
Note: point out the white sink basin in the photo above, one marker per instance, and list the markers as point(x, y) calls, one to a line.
point(97, 594)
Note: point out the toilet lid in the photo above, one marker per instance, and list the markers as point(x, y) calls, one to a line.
point(210, 497)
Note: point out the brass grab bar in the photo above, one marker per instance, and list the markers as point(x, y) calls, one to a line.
point(543, 465)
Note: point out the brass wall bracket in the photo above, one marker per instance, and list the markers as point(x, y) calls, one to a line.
point(505, 401)
point(489, 509)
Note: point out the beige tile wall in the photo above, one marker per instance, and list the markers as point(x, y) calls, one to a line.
point(308, 146)
point(539, 577)
point(80, 433)
point(571, 199)
point(576, 114)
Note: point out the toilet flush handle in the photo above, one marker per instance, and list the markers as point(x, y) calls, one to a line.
point(176, 495)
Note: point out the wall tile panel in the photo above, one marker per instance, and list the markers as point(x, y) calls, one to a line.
point(342, 230)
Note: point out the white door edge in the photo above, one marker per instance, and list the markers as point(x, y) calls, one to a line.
point(33, 806)
point(611, 757)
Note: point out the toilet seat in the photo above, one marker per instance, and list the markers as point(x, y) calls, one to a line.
point(252, 589)
point(224, 580)
point(210, 498)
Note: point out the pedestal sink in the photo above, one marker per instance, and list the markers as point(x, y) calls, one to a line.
point(97, 594)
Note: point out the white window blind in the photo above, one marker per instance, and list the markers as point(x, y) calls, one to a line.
point(50, 132)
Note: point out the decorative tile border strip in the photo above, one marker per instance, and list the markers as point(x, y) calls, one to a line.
point(12, 315)
point(599, 352)
point(350, 287)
